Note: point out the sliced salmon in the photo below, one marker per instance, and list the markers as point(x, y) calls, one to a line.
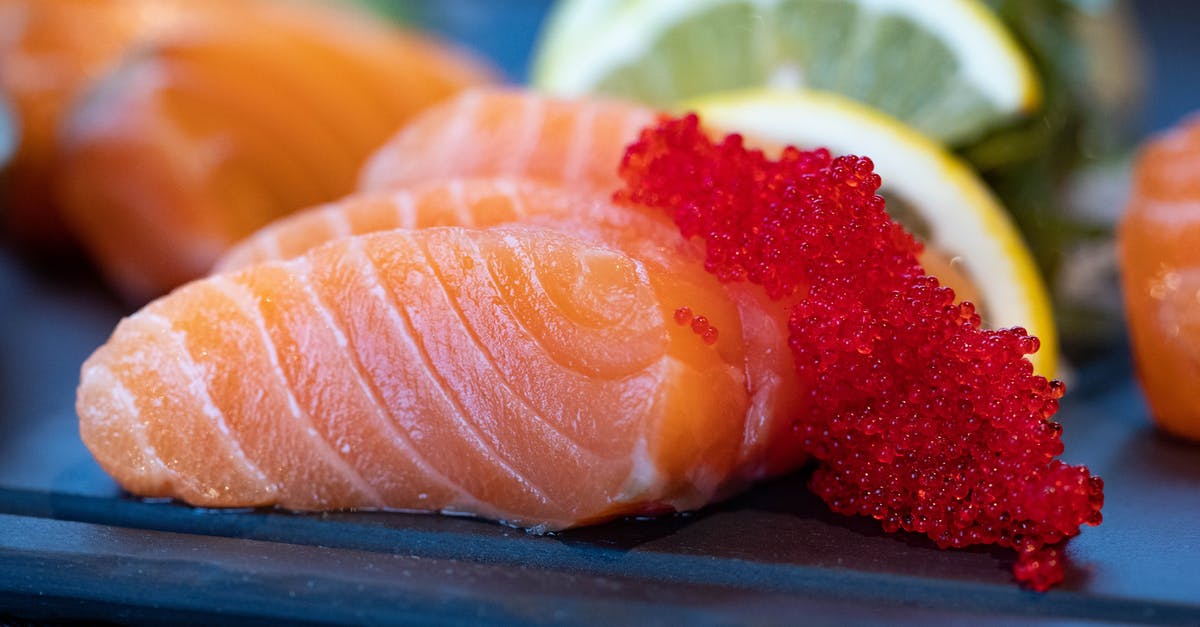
point(579, 143)
point(1160, 273)
point(51, 51)
point(477, 202)
point(209, 132)
point(490, 131)
point(759, 323)
point(517, 373)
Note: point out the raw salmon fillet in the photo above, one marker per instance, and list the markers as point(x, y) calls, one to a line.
point(490, 131)
point(1160, 272)
point(517, 373)
point(478, 202)
point(51, 51)
point(757, 323)
point(504, 132)
point(213, 131)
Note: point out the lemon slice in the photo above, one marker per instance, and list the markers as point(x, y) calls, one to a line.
point(928, 189)
point(947, 67)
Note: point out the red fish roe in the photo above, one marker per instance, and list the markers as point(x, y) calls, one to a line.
point(700, 325)
point(917, 417)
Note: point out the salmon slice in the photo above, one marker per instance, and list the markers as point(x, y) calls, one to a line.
point(755, 322)
point(496, 132)
point(517, 373)
point(1160, 272)
point(50, 53)
point(579, 143)
point(446, 202)
point(210, 132)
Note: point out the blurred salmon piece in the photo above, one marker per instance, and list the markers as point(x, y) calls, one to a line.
point(1159, 246)
point(209, 132)
point(51, 51)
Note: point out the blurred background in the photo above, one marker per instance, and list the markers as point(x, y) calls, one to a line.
point(1171, 33)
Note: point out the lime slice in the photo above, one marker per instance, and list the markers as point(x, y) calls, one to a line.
point(941, 197)
point(948, 68)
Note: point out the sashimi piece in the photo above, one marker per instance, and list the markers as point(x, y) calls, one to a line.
point(488, 131)
point(516, 373)
point(444, 202)
point(1160, 272)
point(211, 132)
point(755, 322)
point(50, 54)
point(504, 132)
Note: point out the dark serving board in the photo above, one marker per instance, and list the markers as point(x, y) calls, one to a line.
point(72, 547)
